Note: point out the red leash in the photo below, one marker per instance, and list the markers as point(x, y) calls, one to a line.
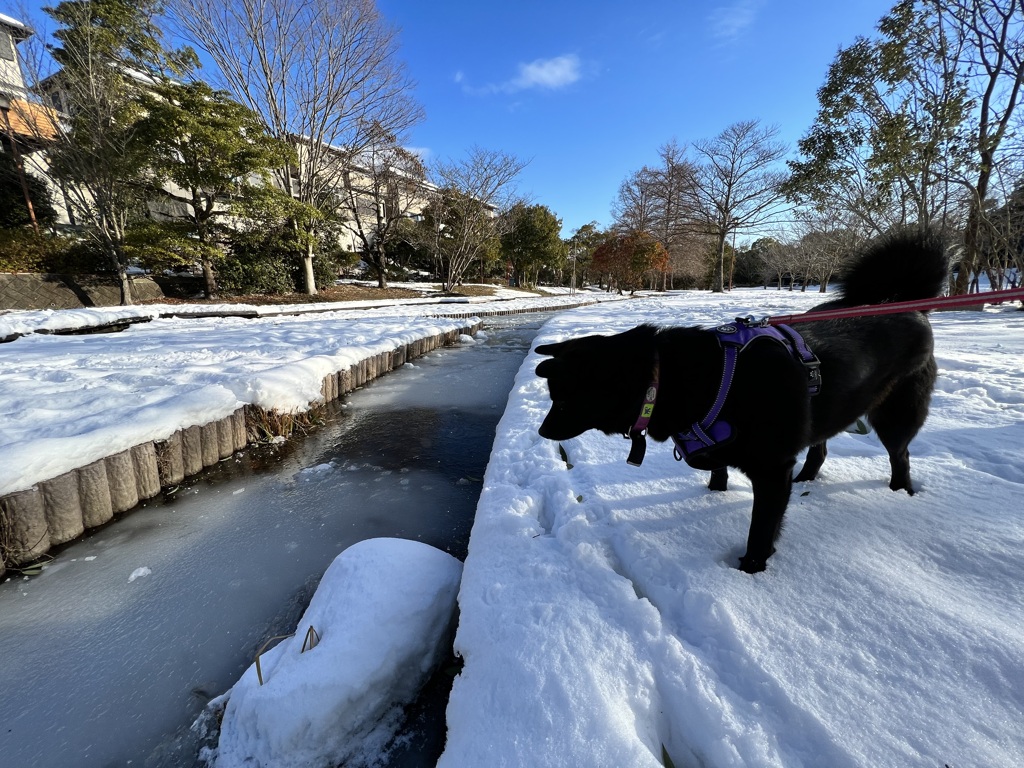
point(919, 305)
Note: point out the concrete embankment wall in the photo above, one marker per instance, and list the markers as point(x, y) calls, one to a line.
point(30, 290)
point(61, 509)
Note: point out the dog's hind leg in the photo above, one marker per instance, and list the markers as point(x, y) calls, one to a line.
point(719, 479)
point(815, 458)
point(771, 486)
point(899, 417)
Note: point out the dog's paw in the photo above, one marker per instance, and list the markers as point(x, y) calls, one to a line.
point(752, 565)
point(902, 485)
point(714, 484)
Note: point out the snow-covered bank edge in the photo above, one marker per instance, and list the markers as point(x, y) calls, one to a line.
point(18, 323)
point(101, 479)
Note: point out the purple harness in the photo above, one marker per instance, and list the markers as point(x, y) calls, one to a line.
point(713, 431)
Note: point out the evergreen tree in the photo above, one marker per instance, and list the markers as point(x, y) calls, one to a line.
point(532, 242)
point(888, 135)
point(109, 52)
point(581, 245)
point(13, 209)
point(211, 150)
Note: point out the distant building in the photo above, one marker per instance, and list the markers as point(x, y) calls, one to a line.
point(365, 188)
point(12, 81)
point(26, 128)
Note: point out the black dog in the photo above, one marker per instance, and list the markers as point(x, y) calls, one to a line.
point(669, 381)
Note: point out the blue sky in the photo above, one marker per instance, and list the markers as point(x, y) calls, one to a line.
point(588, 91)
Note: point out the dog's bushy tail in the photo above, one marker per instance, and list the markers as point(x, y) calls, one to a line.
point(902, 267)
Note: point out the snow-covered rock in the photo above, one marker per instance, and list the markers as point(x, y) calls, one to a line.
point(383, 613)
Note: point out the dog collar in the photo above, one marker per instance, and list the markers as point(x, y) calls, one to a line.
point(637, 435)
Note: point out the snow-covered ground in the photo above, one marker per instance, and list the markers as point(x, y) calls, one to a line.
point(602, 619)
point(66, 401)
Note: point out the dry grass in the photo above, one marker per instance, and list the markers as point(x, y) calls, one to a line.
point(263, 426)
point(9, 552)
point(345, 292)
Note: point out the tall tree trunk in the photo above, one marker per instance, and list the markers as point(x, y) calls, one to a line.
point(307, 263)
point(971, 260)
point(209, 281)
point(382, 277)
point(125, 285)
point(718, 280)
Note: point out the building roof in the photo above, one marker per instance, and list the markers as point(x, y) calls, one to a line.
point(18, 30)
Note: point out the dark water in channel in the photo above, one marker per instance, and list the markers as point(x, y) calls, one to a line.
point(101, 669)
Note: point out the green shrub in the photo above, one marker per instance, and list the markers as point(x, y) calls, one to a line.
point(22, 250)
point(266, 261)
point(326, 268)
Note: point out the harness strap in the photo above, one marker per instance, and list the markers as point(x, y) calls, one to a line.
point(709, 431)
point(809, 359)
point(712, 430)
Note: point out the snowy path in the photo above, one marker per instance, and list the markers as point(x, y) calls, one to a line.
point(603, 617)
point(603, 621)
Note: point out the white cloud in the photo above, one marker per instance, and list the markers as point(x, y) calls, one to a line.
point(730, 21)
point(545, 74)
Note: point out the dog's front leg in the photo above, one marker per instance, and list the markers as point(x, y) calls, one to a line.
point(815, 458)
point(719, 479)
point(771, 487)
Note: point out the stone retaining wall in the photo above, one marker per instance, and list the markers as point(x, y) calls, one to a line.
point(61, 509)
point(30, 290)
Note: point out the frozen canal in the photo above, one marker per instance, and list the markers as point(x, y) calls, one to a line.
point(114, 649)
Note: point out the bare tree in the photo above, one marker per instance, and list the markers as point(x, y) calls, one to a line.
point(783, 261)
point(323, 75)
point(827, 238)
point(463, 215)
point(992, 37)
point(736, 185)
point(656, 201)
point(383, 185)
point(634, 207)
point(673, 219)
